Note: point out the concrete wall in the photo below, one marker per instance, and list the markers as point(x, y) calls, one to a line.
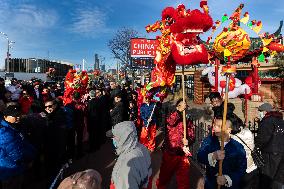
point(26, 76)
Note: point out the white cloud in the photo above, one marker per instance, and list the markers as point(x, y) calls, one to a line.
point(26, 17)
point(26, 24)
point(32, 16)
point(89, 21)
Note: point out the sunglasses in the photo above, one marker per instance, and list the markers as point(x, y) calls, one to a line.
point(49, 106)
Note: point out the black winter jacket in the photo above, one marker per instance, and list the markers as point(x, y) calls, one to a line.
point(270, 136)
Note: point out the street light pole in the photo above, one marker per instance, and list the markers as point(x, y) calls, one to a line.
point(8, 56)
point(8, 50)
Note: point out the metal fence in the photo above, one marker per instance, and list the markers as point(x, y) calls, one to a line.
point(202, 130)
point(188, 83)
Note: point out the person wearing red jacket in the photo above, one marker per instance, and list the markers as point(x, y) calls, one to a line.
point(176, 150)
point(25, 102)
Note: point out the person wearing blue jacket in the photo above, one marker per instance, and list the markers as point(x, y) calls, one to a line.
point(16, 153)
point(233, 155)
point(148, 133)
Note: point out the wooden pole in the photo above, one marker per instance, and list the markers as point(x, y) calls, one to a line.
point(216, 74)
point(246, 108)
point(183, 97)
point(223, 124)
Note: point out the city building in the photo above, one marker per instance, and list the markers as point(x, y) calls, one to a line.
point(112, 71)
point(34, 65)
point(103, 68)
point(97, 62)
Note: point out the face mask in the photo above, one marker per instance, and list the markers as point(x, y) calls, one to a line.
point(114, 143)
point(261, 115)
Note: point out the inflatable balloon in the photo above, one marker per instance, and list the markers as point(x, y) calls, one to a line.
point(236, 87)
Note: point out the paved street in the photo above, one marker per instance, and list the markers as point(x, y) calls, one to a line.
point(104, 159)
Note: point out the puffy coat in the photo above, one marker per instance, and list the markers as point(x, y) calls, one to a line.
point(132, 169)
point(270, 140)
point(15, 152)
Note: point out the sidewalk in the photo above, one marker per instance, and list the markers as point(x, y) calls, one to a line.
point(104, 160)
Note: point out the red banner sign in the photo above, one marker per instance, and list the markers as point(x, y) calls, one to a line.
point(143, 48)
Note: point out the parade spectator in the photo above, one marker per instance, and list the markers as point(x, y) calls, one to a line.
point(113, 89)
point(55, 138)
point(118, 113)
point(105, 119)
point(69, 113)
point(124, 95)
point(176, 150)
point(233, 155)
point(101, 84)
point(7, 97)
point(15, 89)
point(216, 101)
point(88, 179)
point(46, 95)
point(93, 121)
point(133, 111)
point(132, 169)
point(52, 91)
point(25, 101)
point(58, 90)
point(270, 140)
point(148, 133)
point(16, 152)
point(37, 92)
point(245, 137)
point(79, 122)
point(2, 88)
point(134, 96)
point(35, 125)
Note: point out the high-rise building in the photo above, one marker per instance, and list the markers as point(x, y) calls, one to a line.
point(97, 62)
point(103, 67)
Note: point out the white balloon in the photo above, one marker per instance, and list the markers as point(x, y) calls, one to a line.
point(239, 87)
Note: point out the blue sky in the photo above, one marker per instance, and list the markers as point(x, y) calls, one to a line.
point(71, 30)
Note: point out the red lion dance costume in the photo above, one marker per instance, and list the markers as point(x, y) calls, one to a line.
point(75, 82)
point(178, 44)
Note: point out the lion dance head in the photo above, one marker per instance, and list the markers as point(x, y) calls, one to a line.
point(179, 42)
point(185, 27)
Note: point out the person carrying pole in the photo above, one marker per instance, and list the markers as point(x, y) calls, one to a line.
point(148, 133)
point(233, 155)
point(175, 155)
point(221, 148)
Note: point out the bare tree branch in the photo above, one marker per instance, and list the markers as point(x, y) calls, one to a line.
point(120, 44)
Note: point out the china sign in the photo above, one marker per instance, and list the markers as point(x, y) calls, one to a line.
point(145, 48)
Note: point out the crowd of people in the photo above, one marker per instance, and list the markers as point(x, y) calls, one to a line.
point(38, 133)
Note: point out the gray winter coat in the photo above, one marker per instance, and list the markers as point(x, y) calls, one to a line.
point(133, 167)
